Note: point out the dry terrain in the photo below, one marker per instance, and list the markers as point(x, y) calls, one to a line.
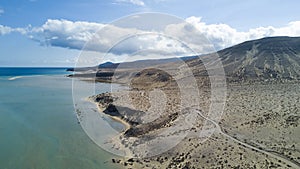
point(168, 102)
point(264, 117)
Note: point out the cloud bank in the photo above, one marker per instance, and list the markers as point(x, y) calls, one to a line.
point(78, 35)
point(86, 35)
point(64, 33)
point(222, 35)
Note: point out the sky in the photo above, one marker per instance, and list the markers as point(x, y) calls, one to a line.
point(57, 33)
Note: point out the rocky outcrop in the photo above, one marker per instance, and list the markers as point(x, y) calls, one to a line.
point(131, 116)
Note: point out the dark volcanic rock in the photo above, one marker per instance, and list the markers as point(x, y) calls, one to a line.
point(148, 127)
point(132, 116)
point(108, 65)
point(151, 78)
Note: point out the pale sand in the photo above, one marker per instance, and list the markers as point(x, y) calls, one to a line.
point(101, 110)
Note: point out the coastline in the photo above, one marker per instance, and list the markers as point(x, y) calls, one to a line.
point(116, 141)
point(118, 119)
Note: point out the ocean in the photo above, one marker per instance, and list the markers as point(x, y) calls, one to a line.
point(38, 125)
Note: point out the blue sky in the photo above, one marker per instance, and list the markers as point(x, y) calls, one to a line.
point(24, 22)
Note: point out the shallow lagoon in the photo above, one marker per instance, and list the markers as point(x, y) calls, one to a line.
point(39, 128)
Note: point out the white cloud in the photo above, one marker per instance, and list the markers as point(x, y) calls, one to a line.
point(134, 2)
point(222, 35)
point(85, 35)
point(77, 35)
point(6, 30)
point(65, 33)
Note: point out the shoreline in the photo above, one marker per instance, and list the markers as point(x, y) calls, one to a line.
point(118, 119)
point(115, 140)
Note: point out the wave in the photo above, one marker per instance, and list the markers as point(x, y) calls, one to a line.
point(26, 76)
point(15, 77)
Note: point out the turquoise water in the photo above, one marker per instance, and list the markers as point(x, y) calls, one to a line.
point(21, 71)
point(26, 71)
point(39, 128)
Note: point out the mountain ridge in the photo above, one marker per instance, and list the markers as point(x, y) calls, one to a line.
point(266, 58)
point(269, 58)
